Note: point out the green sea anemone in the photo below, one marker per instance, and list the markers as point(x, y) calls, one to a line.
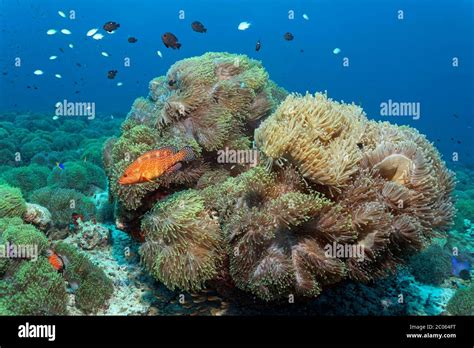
point(73, 176)
point(182, 242)
point(23, 234)
point(27, 178)
point(36, 288)
point(12, 203)
point(462, 303)
point(94, 287)
point(432, 266)
point(62, 203)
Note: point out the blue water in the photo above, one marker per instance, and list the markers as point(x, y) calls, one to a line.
point(405, 60)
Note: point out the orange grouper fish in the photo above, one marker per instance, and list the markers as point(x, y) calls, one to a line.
point(153, 164)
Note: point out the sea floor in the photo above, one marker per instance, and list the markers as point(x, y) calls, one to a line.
point(136, 293)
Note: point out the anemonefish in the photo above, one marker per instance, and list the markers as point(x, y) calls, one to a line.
point(58, 262)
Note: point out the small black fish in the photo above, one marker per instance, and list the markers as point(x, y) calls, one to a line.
point(35, 87)
point(111, 26)
point(132, 39)
point(258, 45)
point(170, 40)
point(111, 74)
point(28, 86)
point(459, 141)
point(61, 50)
point(360, 146)
point(288, 36)
point(301, 50)
point(198, 27)
point(455, 116)
point(78, 64)
point(5, 73)
point(77, 92)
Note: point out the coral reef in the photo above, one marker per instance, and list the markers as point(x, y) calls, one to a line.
point(466, 206)
point(336, 197)
point(208, 103)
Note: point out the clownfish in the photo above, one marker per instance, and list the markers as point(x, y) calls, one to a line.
point(58, 262)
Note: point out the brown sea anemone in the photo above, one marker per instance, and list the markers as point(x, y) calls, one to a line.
point(206, 102)
point(337, 196)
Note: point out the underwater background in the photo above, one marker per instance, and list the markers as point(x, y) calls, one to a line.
point(365, 52)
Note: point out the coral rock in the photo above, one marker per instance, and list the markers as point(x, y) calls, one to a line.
point(91, 235)
point(37, 215)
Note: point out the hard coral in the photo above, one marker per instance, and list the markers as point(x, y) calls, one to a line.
point(90, 235)
point(37, 215)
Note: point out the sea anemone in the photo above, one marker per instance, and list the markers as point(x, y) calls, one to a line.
point(12, 203)
point(182, 242)
point(336, 197)
point(206, 102)
point(313, 132)
point(62, 203)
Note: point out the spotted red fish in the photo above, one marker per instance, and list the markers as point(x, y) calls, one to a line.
point(155, 163)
